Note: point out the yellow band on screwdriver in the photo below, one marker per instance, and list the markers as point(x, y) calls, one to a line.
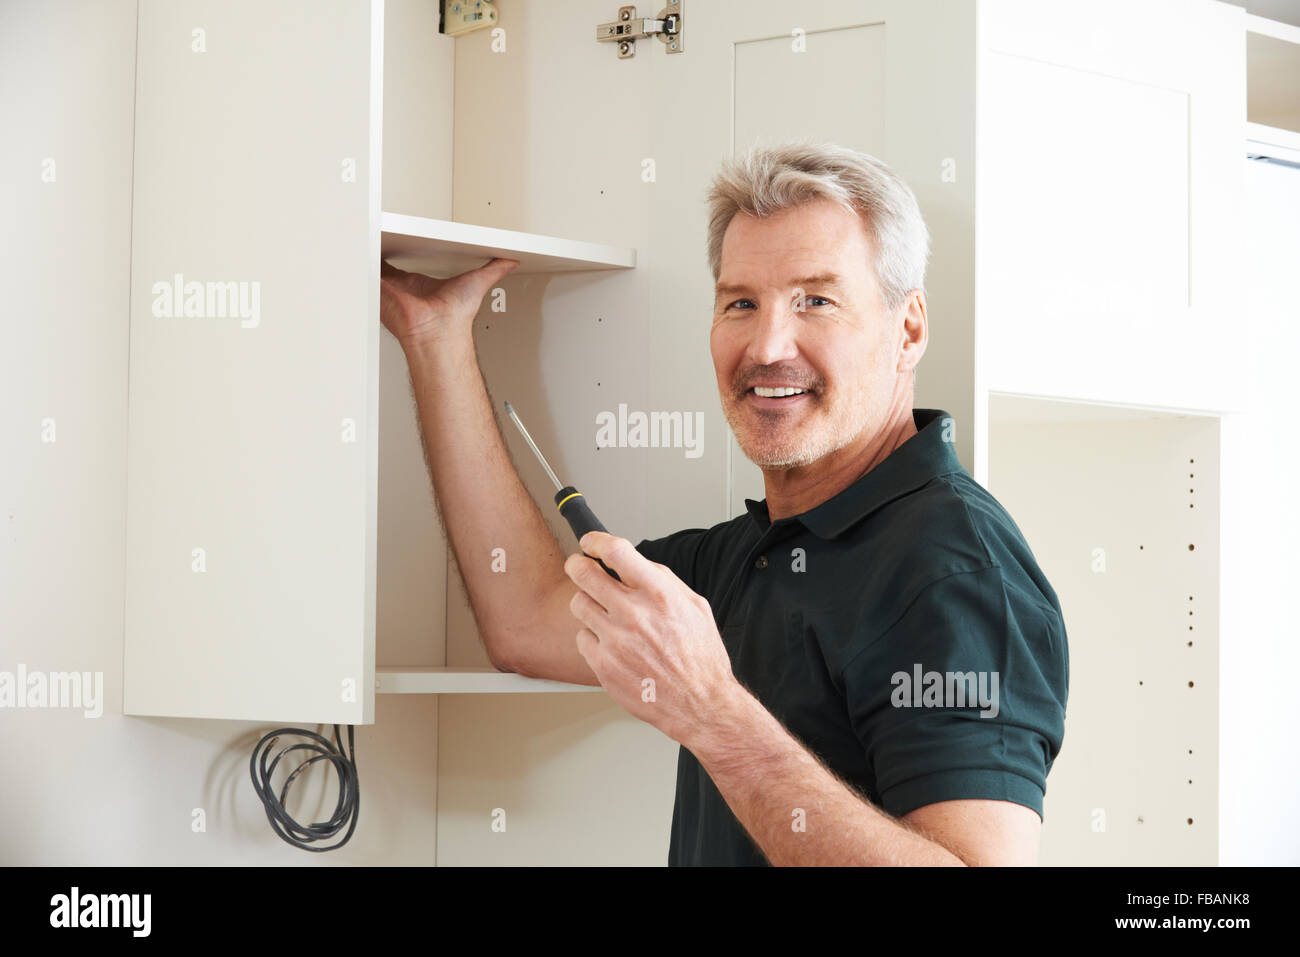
point(566, 498)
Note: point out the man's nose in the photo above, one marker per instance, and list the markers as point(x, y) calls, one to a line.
point(773, 335)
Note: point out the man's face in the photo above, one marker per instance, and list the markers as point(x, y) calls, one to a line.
point(799, 306)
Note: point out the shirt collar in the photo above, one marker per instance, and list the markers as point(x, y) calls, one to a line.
point(929, 453)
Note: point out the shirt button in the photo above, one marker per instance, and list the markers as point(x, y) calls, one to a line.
point(761, 562)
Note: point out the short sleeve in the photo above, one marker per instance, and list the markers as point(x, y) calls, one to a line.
point(963, 696)
point(679, 551)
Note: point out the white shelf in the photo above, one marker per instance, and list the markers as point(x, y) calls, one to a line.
point(434, 680)
point(1272, 28)
point(440, 248)
point(1275, 143)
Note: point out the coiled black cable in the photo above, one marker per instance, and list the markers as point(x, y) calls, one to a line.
point(349, 802)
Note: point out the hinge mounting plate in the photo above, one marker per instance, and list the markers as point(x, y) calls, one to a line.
point(668, 25)
point(457, 17)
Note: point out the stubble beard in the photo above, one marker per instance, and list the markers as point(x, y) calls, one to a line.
point(773, 444)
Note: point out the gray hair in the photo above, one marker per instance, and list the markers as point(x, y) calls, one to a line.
point(767, 179)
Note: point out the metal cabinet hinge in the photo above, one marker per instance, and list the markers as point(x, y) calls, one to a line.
point(667, 25)
point(465, 16)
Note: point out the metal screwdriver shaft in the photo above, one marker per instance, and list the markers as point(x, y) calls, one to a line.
point(510, 411)
point(571, 503)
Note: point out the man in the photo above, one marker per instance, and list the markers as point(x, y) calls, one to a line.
point(868, 667)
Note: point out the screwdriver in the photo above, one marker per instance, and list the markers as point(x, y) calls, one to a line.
point(571, 503)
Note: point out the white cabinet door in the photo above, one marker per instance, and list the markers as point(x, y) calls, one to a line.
point(1108, 180)
point(254, 361)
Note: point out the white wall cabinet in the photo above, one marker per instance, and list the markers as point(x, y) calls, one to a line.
point(1108, 192)
point(1260, 517)
point(254, 398)
point(1108, 203)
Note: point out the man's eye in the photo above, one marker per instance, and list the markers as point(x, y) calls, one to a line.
point(807, 301)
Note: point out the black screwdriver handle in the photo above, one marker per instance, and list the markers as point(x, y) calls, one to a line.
point(573, 506)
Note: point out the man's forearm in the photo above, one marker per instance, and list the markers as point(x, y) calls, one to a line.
point(795, 809)
point(482, 503)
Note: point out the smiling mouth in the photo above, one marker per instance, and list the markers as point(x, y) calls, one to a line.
point(780, 395)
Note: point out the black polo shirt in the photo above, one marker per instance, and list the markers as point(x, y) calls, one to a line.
point(869, 626)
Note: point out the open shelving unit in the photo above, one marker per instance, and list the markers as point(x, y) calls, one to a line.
point(443, 248)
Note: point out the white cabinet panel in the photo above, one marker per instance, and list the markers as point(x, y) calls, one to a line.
point(1261, 522)
point(1107, 220)
point(252, 457)
point(1085, 252)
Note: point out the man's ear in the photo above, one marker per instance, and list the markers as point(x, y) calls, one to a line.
point(915, 331)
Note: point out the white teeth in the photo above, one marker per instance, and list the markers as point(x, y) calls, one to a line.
point(776, 393)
